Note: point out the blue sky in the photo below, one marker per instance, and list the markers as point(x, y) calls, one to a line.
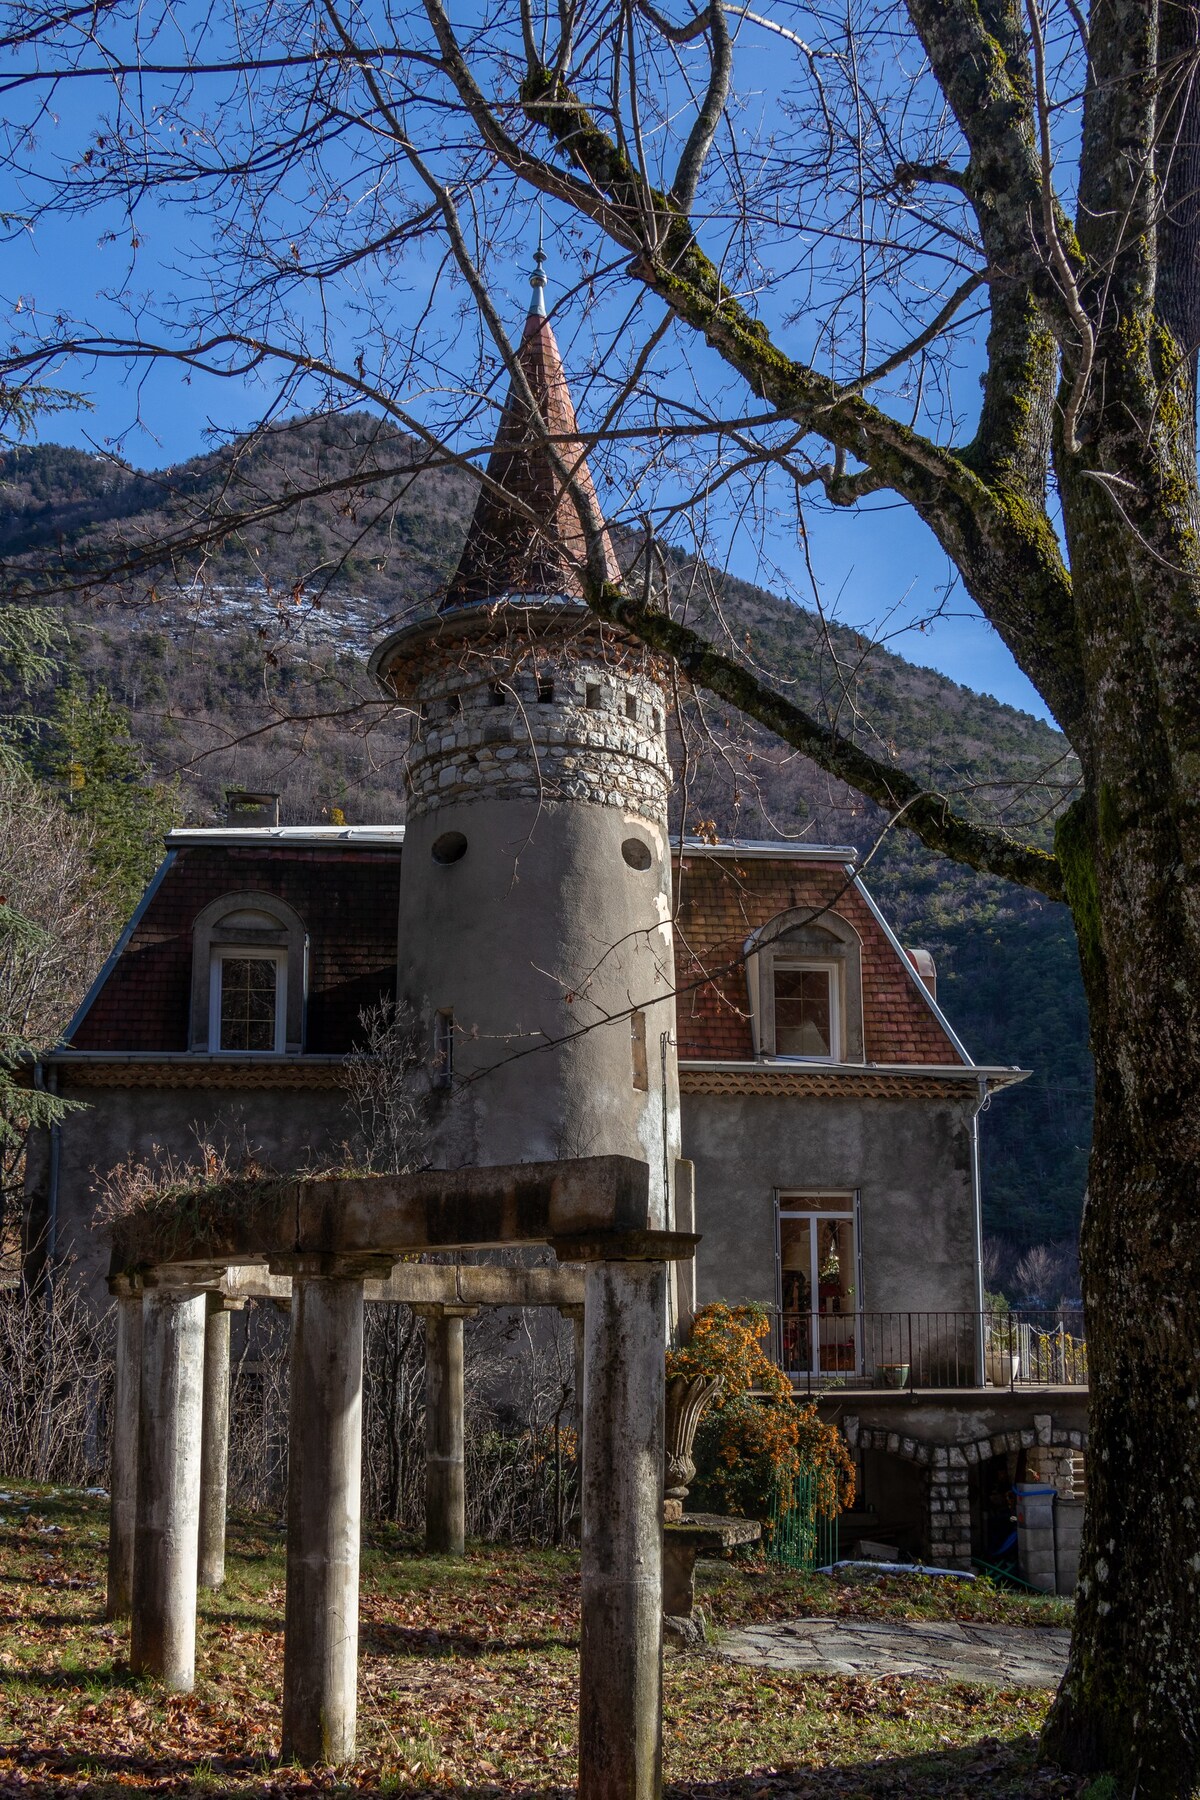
point(879, 570)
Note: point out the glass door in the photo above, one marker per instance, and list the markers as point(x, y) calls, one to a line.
point(818, 1272)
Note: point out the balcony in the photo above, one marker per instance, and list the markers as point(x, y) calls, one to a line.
point(881, 1351)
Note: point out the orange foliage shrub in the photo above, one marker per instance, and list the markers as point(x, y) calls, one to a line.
point(756, 1438)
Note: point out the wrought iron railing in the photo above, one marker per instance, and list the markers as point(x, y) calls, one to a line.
point(1017, 1349)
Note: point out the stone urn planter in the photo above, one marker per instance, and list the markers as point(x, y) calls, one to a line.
point(688, 1399)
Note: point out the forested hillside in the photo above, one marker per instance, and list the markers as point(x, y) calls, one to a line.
point(242, 661)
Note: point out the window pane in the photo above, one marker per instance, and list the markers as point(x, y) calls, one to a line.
point(816, 1203)
point(248, 1003)
point(795, 1258)
point(803, 1012)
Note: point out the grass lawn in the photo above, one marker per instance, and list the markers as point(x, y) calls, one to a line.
point(467, 1678)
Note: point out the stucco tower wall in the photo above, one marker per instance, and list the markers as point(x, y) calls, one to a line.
point(543, 934)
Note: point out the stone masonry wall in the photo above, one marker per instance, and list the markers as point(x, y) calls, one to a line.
point(948, 1467)
point(554, 719)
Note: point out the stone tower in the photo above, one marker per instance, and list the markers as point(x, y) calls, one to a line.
point(535, 936)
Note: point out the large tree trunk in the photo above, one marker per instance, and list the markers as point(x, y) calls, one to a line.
point(1130, 1701)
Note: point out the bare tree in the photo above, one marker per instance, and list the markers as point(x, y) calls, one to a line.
point(792, 234)
point(55, 925)
point(386, 1082)
point(1037, 1274)
point(56, 1360)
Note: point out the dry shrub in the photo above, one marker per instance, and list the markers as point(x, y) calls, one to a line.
point(55, 1386)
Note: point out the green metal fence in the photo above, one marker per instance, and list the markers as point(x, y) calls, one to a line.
point(803, 1538)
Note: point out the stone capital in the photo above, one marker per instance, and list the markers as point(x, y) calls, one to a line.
point(219, 1301)
point(184, 1280)
point(437, 1309)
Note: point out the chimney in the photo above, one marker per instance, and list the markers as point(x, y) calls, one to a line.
point(922, 961)
point(246, 810)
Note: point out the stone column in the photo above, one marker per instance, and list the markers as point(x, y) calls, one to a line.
point(168, 1485)
point(620, 1674)
point(123, 1454)
point(445, 1453)
point(214, 1449)
point(950, 1509)
point(683, 1272)
point(1035, 1535)
point(575, 1314)
point(320, 1654)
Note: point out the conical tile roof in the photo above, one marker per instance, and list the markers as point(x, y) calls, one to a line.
point(507, 552)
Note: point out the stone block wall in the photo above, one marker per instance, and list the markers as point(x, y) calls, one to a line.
point(558, 716)
point(1049, 1544)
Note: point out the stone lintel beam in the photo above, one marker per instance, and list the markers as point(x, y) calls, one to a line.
point(178, 1278)
point(254, 1281)
point(322, 1266)
point(479, 1284)
point(397, 1215)
point(426, 1284)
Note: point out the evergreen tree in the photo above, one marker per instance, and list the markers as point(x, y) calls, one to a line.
point(31, 640)
point(90, 755)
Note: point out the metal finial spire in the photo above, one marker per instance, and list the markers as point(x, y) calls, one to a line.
point(537, 280)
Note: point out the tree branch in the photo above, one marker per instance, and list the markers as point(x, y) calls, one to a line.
point(1003, 544)
point(927, 814)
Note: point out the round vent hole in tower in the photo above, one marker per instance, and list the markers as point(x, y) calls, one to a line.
point(636, 854)
point(449, 847)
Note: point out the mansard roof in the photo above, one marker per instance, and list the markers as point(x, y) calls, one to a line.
point(724, 892)
point(538, 547)
point(345, 886)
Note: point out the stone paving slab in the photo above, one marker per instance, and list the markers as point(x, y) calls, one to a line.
point(949, 1650)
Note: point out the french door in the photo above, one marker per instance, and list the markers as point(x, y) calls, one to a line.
point(820, 1292)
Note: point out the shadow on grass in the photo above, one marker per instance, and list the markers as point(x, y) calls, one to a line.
point(424, 1641)
point(109, 1676)
point(1001, 1772)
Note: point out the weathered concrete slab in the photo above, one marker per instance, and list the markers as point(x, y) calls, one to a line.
point(1000, 1655)
point(432, 1284)
point(572, 1202)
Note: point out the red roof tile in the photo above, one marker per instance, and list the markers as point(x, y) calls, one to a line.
point(348, 899)
point(721, 901)
point(506, 550)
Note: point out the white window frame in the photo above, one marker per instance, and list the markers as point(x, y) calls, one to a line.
point(790, 1204)
point(809, 964)
point(245, 953)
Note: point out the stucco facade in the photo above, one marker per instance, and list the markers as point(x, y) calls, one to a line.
point(907, 1163)
point(295, 1124)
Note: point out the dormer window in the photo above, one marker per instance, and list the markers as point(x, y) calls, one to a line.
point(248, 1001)
point(806, 1010)
point(249, 974)
point(804, 976)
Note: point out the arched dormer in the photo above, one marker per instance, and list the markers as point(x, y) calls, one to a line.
point(805, 985)
point(249, 976)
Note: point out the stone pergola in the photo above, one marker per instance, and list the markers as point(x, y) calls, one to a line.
point(178, 1267)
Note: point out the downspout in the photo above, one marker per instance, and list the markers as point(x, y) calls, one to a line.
point(55, 1140)
point(977, 1201)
